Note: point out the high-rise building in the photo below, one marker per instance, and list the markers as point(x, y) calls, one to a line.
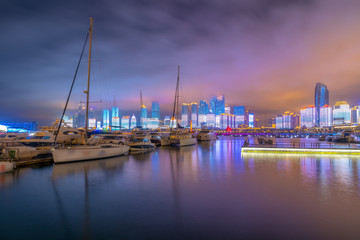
point(321, 99)
point(326, 116)
point(341, 113)
point(152, 123)
point(155, 110)
point(115, 120)
point(92, 122)
point(308, 117)
point(278, 122)
point(106, 119)
point(143, 116)
point(167, 121)
point(239, 112)
point(227, 120)
point(133, 122)
point(251, 120)
point(125, 122)
point(210, 119)
point(227, 110)
point(203, 111)
point(212, 105)
point(68, 121)
point(220, 105)
point(185, 119)
point(194, 114)
point(355, 114)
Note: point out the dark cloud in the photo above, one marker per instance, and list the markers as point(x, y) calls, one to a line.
point(266, 54)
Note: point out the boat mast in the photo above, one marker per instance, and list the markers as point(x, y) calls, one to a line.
point(177, 97)
point(175, 111)
point(88, 82)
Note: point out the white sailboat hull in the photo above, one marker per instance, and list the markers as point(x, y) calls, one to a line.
point(85, 153)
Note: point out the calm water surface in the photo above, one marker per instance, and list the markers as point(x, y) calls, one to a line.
point(208, 191)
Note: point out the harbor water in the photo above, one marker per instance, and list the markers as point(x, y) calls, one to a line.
point(207, 191)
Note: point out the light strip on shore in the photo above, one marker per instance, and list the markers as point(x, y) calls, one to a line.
point(301, 151)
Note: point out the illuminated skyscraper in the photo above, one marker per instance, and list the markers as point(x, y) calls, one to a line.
point(251, 120)
point(307, 116)
point(355, 115)
point(203, 111)
point(321, 99)
point(143, 116)
point(220, 105)
point(133, 122)
point(194, 114)
point(325, 116)
point(278, 122)
point(239, 112)
point(226, 120)
point(152, 123)
point(341, 113)
point(115, 120)
point(106, 119)
point(227, 110)
point(212, 105)
point(125, 122)
point(155, 110)
point(167, 121)
point(185, 115)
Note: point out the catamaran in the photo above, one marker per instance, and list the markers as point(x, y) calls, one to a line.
point(87, 151)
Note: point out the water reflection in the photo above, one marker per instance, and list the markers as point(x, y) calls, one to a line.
point(205, 191)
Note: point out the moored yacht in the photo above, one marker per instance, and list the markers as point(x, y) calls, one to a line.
point(39, 139)
point(206, 135)
point(87, 152)
point(141, 143)
point(182, 138)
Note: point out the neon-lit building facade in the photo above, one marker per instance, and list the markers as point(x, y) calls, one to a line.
point(326, 116)
point(106, 119)
point(220, 105)
point(143, 116)
point(203, 111)
point(341, 113)
point(210, 119)
point(133, 122)
point(185, 120)
point(125, 122)
point(92, 122)
point(194, 114)
point(227, 110)
point(251, 120)
point(155, 110)
point(308, 117)
point(167, 121)
point(239, 112)
point(152, 123)
point(278, 122)
point(355, 115)
point(227, 120)
point(115, 120)
point(321, 99)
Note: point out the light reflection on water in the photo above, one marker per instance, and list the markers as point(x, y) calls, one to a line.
point(204, 191)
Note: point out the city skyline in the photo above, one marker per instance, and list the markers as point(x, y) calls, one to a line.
point(266, 55)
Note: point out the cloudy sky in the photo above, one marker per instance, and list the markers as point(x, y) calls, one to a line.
point(264, 54)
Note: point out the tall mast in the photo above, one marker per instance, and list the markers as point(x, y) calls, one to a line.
point(88, 82)
point(177, 97)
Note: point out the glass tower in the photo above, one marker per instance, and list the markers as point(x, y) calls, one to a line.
point(220, 105)
point(194, 114)
point(115, 120)
point(155, 110)
point(143, 116)
point(321, 99)
point(239, 112)
point(203, 111)
point(106, 119)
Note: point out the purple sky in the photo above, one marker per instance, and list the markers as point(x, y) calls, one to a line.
point(264, 54)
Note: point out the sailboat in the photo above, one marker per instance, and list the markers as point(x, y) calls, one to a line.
point(179, 137)
point(87, 151)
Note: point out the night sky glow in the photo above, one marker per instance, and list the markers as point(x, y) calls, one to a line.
point(264, 54)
